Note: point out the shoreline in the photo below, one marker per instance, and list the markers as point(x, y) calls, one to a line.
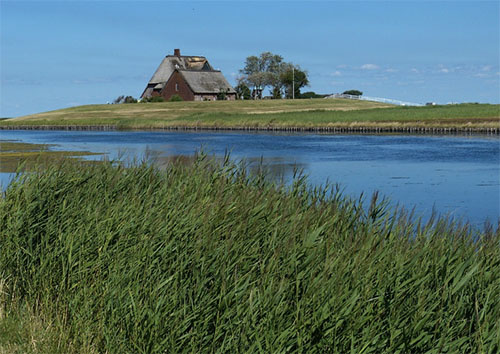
point(319, 129)
point(335, 116)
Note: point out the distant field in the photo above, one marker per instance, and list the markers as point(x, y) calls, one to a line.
point(280, 114)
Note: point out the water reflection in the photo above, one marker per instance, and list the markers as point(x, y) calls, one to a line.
point(273, 168)
point(457, 175)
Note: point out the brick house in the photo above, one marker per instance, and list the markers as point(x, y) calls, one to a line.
point(190, 77)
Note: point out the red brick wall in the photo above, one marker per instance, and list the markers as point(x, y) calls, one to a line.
point(183, 89)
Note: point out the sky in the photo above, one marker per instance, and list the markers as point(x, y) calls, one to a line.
point(65, 53)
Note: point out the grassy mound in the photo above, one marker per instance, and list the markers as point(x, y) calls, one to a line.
point(267, 114)
point(201, 257)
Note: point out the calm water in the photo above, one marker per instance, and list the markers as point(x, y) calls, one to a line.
point(456, 175)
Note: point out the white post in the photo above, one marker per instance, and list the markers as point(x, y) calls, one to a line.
point(293, 83)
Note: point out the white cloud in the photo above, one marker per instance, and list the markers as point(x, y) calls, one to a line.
point(336, 73)
point(391, 70)
point(486, 68)
point(414, 70)
point(369, 67)
point(341, 66)
point(444, 70)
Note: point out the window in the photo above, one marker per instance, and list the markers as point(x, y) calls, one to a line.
point(176, 87)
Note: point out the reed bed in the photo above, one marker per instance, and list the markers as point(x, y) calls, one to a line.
point(205, 258)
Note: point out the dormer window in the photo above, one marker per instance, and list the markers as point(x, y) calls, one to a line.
point(206, 66)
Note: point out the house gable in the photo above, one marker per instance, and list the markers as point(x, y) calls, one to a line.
point(177, 85)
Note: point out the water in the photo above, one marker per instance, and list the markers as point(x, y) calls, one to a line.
point(455, 175)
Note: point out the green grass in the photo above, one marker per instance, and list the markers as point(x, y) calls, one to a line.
point(203, 258)
point(15, 155)
point(279, 114)
point(441, 115)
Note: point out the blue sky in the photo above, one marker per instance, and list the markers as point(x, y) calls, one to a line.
point(65, 53)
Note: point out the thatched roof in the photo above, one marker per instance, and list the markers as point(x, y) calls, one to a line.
point(197, 71)
point(206, 81)
point(172, 62)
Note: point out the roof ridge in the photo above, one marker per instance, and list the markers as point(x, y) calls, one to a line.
point(199, 71)
point(186, 56)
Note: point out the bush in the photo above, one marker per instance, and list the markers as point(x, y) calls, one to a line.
point(311, 94)
point(353, 93)
point(176, 98)
point(221, 96)
point(153, 99)
point(130, 99)
point(124, 99)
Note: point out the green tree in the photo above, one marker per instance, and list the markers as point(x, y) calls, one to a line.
point(269, 70)
point(262, 71)
point(294, 78)
point(276, 93)
point(242, 91)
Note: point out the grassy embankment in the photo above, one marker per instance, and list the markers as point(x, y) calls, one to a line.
point(201, 258)
point(13, 153)
point(278, 114)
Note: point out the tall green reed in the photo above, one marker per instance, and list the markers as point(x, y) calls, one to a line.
point(205, 257)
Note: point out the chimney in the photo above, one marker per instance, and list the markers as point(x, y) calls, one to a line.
point(177, 52)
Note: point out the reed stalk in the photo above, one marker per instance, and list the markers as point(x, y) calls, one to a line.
point(206, 258)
